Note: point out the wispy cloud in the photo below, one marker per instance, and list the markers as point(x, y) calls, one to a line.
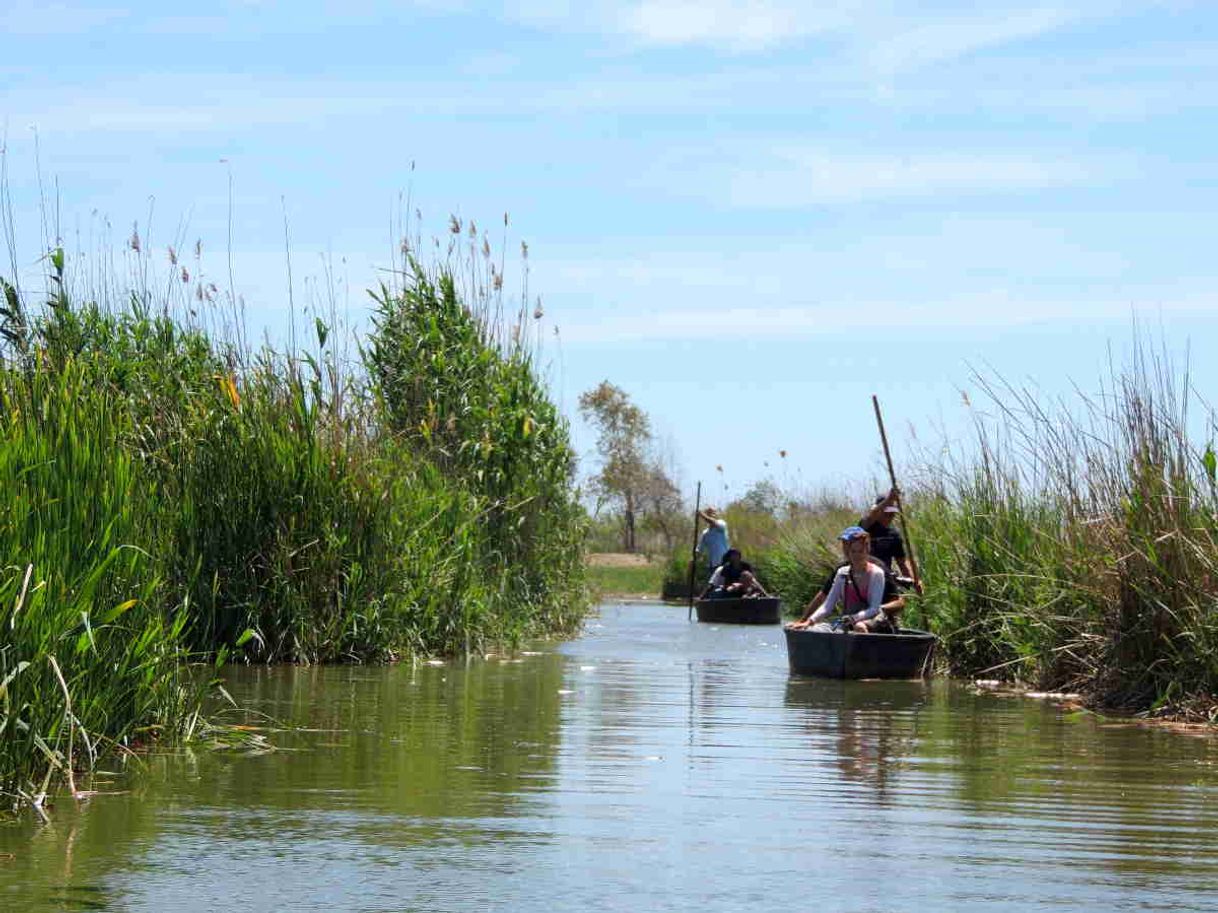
point(25, 19)
point(738, 25)
point(793, 175)
point(996, 310)
point(882, 36)
point(936, 40)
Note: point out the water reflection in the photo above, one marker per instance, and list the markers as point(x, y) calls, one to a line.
point(869, 728)
point(650, 764)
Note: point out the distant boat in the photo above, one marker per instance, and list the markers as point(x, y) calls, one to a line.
point(835, 655)
point(766, 610)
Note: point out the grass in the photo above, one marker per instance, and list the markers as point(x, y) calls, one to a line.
point(643, 580)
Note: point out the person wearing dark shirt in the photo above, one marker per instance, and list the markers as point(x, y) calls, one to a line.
point(733, 579)
point(886, 542)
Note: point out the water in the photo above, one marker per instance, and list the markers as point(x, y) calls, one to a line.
point(651, 764)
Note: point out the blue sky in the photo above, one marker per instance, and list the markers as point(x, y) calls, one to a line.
point(749, 215)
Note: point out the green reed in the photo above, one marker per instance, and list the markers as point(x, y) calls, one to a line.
point(178, 496)
point(1077, 548)
point(1071, 545)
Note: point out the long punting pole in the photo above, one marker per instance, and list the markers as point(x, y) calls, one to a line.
point(892, 475)
point(693, 553)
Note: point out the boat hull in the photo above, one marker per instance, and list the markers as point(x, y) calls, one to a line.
point(764, 611)
point(832, 655)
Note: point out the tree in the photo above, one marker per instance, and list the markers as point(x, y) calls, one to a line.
point(628, 475)
point(763, 497)
point(664, 507)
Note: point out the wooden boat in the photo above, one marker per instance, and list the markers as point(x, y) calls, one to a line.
point(674, 589)
point(766, 610)
point(833, 655)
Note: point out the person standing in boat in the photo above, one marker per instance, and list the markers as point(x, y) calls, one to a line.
point(714, 541)
point(867, 595)
point(887, 546)
point(733, 579)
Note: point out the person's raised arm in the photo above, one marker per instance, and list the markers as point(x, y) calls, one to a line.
point(873, 516)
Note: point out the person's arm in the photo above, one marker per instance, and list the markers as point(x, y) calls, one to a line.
point(812, 607)
point(875, 595)
point(831, 600)
point(894, 601)
point(872, 516)
point(751, 583)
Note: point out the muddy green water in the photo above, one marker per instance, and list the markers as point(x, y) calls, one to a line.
point(650, 764)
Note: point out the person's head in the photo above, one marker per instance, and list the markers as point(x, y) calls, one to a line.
point(709, 514)
point(889, 513)
point(733, 557)
point(856, 543)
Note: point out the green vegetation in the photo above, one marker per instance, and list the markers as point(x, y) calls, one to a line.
point(1074, 547)
point(632, 477)
point(175, 496)
point(629, 580)
point(1079, 549)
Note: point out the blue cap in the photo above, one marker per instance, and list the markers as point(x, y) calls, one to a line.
point(852, 532)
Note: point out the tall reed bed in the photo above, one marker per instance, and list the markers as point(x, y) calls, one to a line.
point(1071, 545)
point(176, 495)
point(1077, 548)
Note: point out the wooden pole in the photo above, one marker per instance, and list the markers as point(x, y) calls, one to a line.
point(892, 476)
point(693, 554)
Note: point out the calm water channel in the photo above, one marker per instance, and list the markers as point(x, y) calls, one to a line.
point(650, 764)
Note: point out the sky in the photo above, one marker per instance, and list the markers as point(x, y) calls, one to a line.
point(751, 215)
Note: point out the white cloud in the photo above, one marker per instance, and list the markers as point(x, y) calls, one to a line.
point(943, 39)
point(786, 174)
point(799, 178)
point(46, 19)
point(996, 310)
point(739, 25)
point(881, 36)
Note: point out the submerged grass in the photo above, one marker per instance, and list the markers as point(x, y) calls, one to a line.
point(175, 496)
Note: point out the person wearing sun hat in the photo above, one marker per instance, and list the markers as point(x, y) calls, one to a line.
point(714, 541)
point(887, 545)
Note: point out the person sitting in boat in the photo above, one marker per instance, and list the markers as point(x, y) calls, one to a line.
point(714, 539)
point(733, 579)
point(867, 595)
point(818, 598)
point(887, 546)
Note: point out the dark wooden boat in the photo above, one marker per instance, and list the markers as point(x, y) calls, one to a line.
point(764, 611)
point(833, 655)
point(674, 589)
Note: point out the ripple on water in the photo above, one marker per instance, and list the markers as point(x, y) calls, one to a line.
point(649, 764)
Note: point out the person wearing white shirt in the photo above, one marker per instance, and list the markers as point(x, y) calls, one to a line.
point(861, 588)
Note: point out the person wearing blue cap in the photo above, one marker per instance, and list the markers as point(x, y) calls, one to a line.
point(822, 594)
point(866, 593)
